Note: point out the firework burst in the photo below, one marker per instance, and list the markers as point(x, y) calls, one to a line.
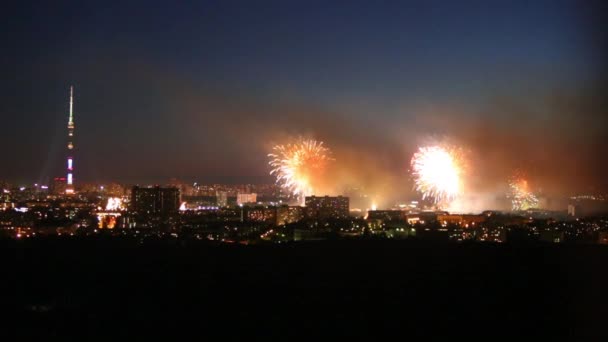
point(298, 166)
point(522, 197)
point(438, 172)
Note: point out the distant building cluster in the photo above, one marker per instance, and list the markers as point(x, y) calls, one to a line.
point(234, 214)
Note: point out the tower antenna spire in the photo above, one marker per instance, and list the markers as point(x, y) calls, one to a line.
point(70, 172)
point(71, 118)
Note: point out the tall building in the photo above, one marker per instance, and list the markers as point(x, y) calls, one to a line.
point(155, 200)
point(327, 207)
point(574, 210)
point(221, 198)
point(69, 189)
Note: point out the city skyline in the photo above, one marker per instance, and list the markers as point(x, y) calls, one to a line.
point(374, 90)
point(264, 170)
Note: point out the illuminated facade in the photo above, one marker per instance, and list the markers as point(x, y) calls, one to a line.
point(107, 220)
point(262, 214)
point(289, 214)
point(69, 189)
point(246, 198)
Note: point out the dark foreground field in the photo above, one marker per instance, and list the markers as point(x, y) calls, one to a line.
point(116, 288)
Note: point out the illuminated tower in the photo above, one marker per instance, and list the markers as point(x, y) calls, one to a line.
point(69, 189)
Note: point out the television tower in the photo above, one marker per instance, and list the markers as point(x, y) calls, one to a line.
point(69, 189)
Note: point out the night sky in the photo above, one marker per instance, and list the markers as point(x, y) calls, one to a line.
point(202, 91)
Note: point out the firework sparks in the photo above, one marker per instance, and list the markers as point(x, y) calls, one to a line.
point(114, 204)
point(438, 173)
point(297, 167)
point(522, 198)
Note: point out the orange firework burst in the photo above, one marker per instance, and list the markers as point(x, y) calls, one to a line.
point(298, 166)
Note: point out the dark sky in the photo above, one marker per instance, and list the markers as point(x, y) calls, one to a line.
point(201, 91)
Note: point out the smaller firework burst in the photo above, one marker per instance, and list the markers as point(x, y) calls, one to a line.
point(522, 197)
